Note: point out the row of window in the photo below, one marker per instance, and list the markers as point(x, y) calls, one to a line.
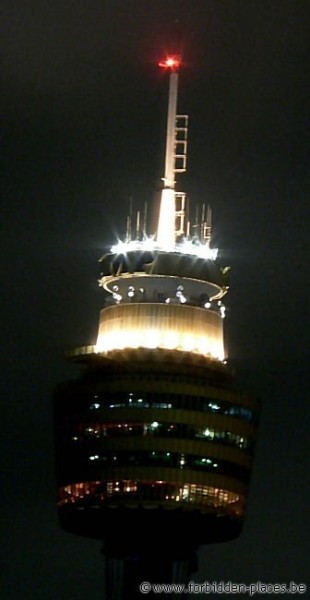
point(95, 491)
point(158, 458)
point(164, 430)
point(174, 401)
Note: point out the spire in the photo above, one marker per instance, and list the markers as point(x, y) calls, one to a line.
point(166, 222)
point(176, 232)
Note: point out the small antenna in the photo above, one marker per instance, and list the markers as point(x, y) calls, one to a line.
point(144, 220)
point(202, 222)
point(129, 221)
point(138, 225)
point(188, 229)
point(196, 226)
point(187, 217)
point(208, 225)
point(128, 229)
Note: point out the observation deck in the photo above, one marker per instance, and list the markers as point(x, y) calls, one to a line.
point(154, 436)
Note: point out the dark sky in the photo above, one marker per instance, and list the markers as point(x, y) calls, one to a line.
point(83, 124)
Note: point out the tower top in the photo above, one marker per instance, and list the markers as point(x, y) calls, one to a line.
point(172, 62)
point(175, 233)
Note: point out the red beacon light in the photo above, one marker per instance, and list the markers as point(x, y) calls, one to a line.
point(170, 62)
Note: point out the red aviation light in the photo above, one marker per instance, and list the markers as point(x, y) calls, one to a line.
point(170, 62)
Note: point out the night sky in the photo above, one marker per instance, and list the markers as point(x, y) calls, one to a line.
point(83, 122)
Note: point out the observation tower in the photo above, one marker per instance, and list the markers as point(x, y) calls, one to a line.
point(154, 443)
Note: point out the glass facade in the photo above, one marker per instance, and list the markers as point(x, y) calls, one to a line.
point(97, 492)
point(162, 400)
point(160, 430)
point(136, 433)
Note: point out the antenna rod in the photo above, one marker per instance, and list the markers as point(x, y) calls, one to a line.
point(169, 178)
point(166, 222)
point(138, 225)
point(144, 220)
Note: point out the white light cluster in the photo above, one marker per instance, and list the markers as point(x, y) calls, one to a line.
point(180, 295)
point(150, 245)
point(197, 249)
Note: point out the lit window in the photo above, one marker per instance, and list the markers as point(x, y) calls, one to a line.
point(209, 433)
point(182, 460)
point(214, 406)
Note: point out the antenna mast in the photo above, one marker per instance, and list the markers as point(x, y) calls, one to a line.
point(175, 159)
